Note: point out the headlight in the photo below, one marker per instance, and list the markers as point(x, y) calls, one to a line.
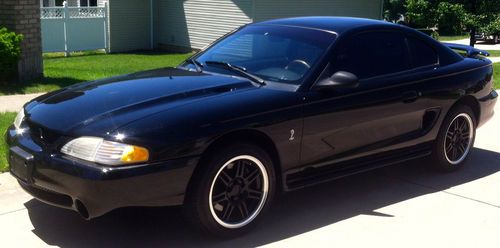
point(19, 119)
point(105, 152)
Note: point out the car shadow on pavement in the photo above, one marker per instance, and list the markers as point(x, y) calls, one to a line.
point(292, 214)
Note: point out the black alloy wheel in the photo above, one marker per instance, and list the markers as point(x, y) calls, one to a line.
point(455, 139)
point(458, 138)
point(231, 190)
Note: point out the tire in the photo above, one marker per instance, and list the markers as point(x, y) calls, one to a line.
point(232, 190)
point(455, 139)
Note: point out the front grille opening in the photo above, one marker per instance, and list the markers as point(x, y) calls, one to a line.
point(49, 196)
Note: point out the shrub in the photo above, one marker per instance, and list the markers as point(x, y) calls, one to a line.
point(10, 51)
point(429, 31)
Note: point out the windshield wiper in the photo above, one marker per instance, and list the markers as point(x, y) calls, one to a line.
point(196, 64)
point(240, 70)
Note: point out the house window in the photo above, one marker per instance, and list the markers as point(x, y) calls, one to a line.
point(85, 3)
point(59, 2)
point(45, 3)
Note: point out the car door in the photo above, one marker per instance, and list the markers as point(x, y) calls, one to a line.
point(385, 109)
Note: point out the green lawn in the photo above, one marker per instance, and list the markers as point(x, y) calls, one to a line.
point(60, 71)
point(494, 53)
point(454, 37)
point(6, 120)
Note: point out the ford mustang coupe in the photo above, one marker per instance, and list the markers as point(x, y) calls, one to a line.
point(271, 107)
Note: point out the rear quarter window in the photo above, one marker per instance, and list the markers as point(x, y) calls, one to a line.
point(422, 54)
point(373, 54)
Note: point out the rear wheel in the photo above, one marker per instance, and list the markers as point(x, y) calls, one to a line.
point(455, 139)
point(233, 191)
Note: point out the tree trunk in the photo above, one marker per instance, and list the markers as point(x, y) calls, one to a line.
point(472, 34)
point(473, 29)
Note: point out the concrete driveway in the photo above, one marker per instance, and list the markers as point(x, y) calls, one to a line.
point(399, 206)
point(479, 44)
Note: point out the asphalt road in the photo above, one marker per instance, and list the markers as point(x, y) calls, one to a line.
point(405, 205)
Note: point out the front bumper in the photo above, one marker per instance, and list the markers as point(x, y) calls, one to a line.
point(94, 190)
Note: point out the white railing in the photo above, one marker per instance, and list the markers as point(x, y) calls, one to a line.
point(72, 12)
point(87, 12)
point(52, 13)
point(68, 29)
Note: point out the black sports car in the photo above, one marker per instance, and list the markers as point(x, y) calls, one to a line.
point(273, 106)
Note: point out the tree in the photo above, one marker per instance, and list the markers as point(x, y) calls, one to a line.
point(450, 18)
point(421, 13)
point(394, 10)
point(479, 13)
point(493, 27)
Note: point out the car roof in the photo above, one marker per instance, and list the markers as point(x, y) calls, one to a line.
point(341, 25)
point(328, 23)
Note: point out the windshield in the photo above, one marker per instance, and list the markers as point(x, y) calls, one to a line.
point(273, 53)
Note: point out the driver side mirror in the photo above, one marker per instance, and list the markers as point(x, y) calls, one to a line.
point(341, 79)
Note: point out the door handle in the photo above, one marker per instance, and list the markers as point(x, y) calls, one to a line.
point(410, 96)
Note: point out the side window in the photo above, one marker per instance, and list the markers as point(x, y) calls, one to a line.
point(421, 53)
point(373, 54)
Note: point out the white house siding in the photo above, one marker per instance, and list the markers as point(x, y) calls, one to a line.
point(265, 9)
point(129, 25)
point(197, 23)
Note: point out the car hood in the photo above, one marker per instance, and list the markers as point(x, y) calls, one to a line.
point(111, 103)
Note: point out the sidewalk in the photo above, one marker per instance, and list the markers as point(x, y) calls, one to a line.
point(494, 59)
point(13, 103)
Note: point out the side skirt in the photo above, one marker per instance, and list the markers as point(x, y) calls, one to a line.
point(311, 175)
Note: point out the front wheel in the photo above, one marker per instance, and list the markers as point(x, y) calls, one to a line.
point(232, 190)
point(455, 139)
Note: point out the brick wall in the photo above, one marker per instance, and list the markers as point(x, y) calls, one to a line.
point(23, 16)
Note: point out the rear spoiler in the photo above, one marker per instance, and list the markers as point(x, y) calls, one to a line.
point(469, 51)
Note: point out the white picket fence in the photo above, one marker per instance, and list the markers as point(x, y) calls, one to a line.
point(69, 29)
